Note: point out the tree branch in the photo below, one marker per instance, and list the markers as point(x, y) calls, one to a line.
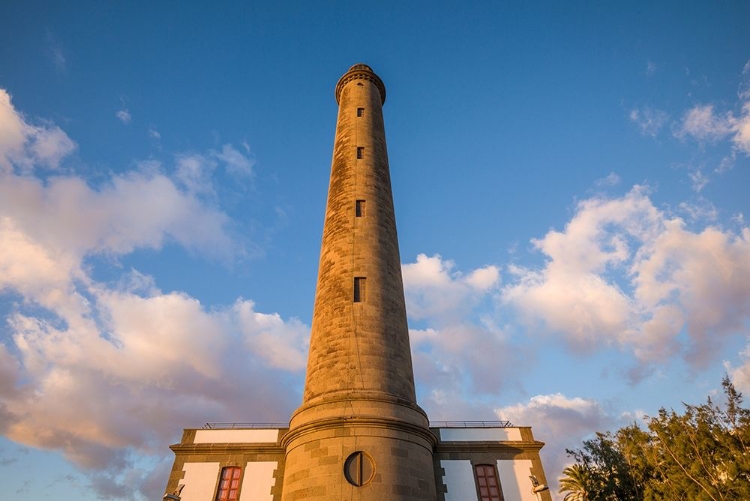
point(684, 470)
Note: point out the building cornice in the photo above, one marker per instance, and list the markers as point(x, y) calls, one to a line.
point(473, 447)
point(224, 449)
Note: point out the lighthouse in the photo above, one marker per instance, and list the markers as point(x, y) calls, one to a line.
point(359, 402)
point(359, 434)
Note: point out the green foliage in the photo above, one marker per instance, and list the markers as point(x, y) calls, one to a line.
point(607, 460)
point(700, 455)
point(578, 483)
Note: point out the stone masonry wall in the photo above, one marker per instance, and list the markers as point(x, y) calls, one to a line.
point(365, 345)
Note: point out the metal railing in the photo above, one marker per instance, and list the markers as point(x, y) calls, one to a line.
point(238, 426)
point(433, 424)
point(470, 424)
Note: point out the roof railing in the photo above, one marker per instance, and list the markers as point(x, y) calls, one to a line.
point(470, 424)
point(238, 426)
point(433, 424)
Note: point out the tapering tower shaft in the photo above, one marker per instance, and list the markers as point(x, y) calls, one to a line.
point(360, 338)
point(359, 401)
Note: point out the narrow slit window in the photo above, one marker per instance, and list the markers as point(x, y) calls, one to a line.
point(360, 208)
point(229, 483)
point(488, 485)
point(360, 112)
point(359, 289)
point(360, 152)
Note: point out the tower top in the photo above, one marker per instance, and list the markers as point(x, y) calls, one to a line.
point(360, 71)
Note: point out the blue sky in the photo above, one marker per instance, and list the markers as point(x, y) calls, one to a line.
point(570, 183)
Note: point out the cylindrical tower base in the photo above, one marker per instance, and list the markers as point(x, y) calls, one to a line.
point(365, 450)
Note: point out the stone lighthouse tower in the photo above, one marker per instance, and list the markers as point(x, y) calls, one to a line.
point(359, 401)
point(359, 434)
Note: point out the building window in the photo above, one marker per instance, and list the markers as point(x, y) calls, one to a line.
point(488, 484)
point(360, 112)
point(360, 152)
point(360, 208)
point(229, 484)
point(359, 289)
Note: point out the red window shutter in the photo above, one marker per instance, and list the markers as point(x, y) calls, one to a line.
point(488, 483)
point(229, 484)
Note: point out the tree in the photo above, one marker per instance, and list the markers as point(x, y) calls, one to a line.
point(703, 454)
point(608, 467)
point(577, 483)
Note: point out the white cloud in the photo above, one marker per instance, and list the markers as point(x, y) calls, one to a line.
point(706, 125)
point(699, 180)
point(701, 123)
point(624, 273)
point(466, 356)
point(124, 116)
point(24, 145)
point(741, 129)
point(483, 279)
point(649, 121)
point(13, 131)
point(121, 373)
point(195, 172)
point(154, 134)
point(58, 58)
point(434, 290)
point(236, 163)
point(704, 277)
point(109, 372)
point(609, 180)
point(570, 420)
point(727, 163)
point(744, 91)
point(56, 53)
point(452, 305)
point(282, 344)
point(101, 372)
point(700, 210)
point(49, 145)
point(135, 209)
point(557, 415)
point(740, 375)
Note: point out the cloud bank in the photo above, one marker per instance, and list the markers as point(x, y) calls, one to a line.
point(627, 274)
point(108, 372)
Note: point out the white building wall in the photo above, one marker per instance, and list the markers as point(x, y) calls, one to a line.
point(480, 434)
point(459, 480)
point(200, 481)
point(236, 436)
point(258, 481)
point(514, 480)
point(514, 477)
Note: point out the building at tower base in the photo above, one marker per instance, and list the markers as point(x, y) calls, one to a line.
point(359, 433)
point(255, 450)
